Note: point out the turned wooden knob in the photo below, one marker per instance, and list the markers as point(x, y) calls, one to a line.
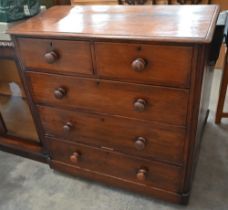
point(140, 105)
point(141, 174)
point(139, 64)
point(67, 127)
point(51, 57)
point(140, 143)
point(59, 93)
point(74, 158)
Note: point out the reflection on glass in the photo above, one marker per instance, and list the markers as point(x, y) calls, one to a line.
point(13, 105)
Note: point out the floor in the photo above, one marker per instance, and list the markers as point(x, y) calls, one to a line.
point(29, 185)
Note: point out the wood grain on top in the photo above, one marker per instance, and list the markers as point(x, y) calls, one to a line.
point(153, 23)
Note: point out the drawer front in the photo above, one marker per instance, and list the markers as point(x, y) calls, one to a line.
point(134, 101)
point(146, 140)
point(166, 64)
point(56, 55)
point(148, 173)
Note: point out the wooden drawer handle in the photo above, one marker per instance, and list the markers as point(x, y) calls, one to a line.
point(139, 64)
point(140, 143)
point(59, 93)
point(51, 57)
point(141, 174)
point(67, 127)
point(74, 158)
point(140, 105)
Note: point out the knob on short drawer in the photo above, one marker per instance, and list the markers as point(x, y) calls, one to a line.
point(140, 105)
point(59, 93)
point(141, 174)
point(140, 143)
point(139, 64)
point(68, 127)
point(74, 158)
point(51, 57)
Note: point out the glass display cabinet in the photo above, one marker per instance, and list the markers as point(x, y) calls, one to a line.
point(18, 132)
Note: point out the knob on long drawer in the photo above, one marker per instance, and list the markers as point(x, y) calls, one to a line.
point(59, 93)
point(51, 57)
point(139, 64)
point(140, 143)
point(141, 174)
point(67, 127)
point(140, 105)
point(74, 158)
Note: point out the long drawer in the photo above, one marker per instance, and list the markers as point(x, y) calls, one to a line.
point(61, 56)
point(146, 140)
point(164, 64)
point(142, 102)
point(148, 173)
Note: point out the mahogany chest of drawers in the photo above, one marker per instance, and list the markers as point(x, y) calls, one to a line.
point(120, 94)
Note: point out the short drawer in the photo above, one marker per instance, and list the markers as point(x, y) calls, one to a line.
point(142, 102)
point(146, 140)
point(56, 55)
point(148, 173)
point(162, 64)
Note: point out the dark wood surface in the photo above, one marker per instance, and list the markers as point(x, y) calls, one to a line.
point(114, 164)
point(71, 57)
point(194, 24)
point(111, 181)
point(157, 60)
point(116, 98)
point(22, 147)
point(135, 112)
point(197, 114)
point(162, 142)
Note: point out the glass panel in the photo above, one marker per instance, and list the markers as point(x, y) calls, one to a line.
point(13, 105)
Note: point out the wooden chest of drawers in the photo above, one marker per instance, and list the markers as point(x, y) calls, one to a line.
point(119, 101)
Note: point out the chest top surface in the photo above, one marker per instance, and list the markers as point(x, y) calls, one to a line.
point(194, 24)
